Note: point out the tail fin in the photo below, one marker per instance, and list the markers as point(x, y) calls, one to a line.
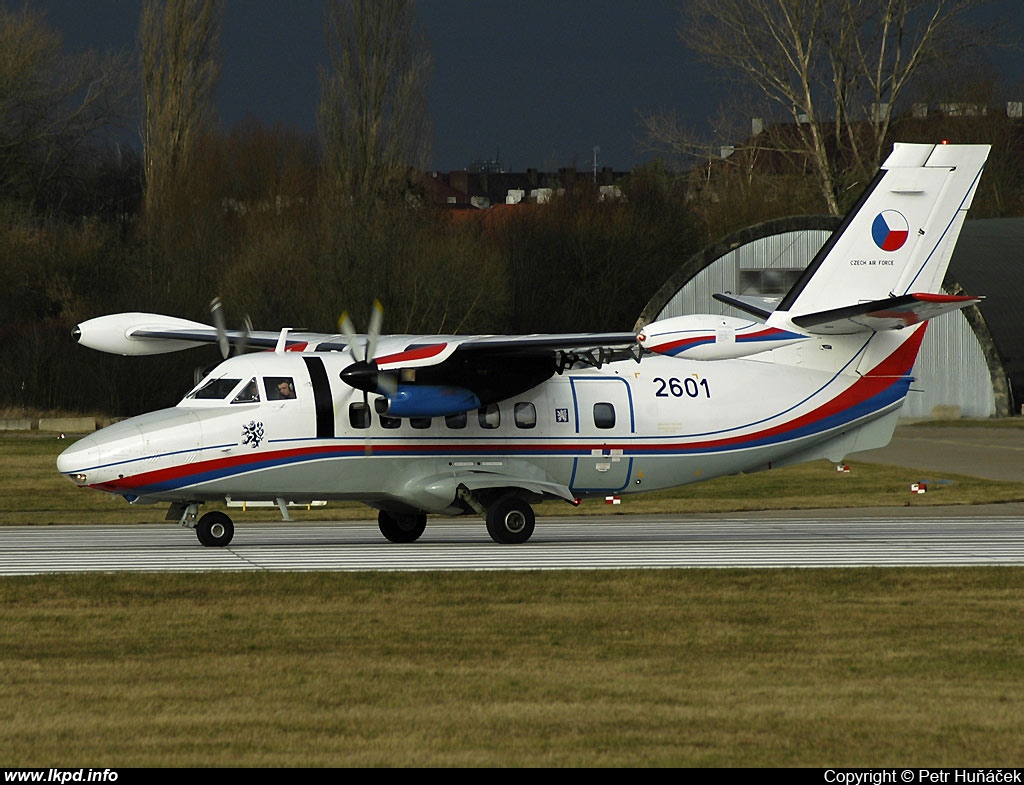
point(893, 247)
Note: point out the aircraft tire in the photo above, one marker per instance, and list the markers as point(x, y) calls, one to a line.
point(401, 528)
point(215, 530)
point(510, 520)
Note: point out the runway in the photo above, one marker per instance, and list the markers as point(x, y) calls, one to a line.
point(953, 536)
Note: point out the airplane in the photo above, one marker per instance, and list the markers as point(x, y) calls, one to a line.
point(491, 425)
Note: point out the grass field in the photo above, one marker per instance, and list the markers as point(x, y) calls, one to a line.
point(863, 667)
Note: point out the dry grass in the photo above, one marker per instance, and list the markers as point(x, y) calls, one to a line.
point(616, 668)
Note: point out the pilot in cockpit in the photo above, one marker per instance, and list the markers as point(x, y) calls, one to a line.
point(280, 389)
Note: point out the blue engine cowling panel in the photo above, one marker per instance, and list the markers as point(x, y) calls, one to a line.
point(430, 401)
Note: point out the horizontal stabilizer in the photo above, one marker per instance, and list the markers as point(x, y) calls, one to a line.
point(758, 307)
point(893, 313)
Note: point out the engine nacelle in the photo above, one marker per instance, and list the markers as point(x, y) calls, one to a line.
point(119, 333)
point(423, 400)
point(707, 337)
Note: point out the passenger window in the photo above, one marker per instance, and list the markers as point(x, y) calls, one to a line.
point(419, 422)
point(359, 415)
point(604, 415)
point(249, 394)
point(526, 415)
point(215, 389)
point(456, 421)
point(279, 388)
point(489, 417)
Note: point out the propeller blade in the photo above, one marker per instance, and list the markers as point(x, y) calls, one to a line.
point(373, 332)
point(354, 341)
point(346, 326)
point(217, 312)
point(243, 346)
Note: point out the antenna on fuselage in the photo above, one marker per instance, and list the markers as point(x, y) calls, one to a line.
point(282, 340)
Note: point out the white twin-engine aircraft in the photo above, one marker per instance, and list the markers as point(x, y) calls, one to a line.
point(490, 425)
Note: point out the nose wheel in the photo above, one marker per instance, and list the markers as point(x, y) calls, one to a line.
point(401, 528)
point(215, 529)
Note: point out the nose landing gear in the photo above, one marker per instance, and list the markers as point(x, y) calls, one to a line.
point(215, 529)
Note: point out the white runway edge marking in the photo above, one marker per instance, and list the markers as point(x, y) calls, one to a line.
point(560, 544)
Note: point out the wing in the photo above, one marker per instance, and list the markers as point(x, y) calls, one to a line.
point(442, 376)
point(567, 350)
point(422, 376)
point(148, 333)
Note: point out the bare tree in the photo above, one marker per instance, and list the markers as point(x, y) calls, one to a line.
point(179, 42)
point(53, 105)
point(835, 68)
point(373, 110)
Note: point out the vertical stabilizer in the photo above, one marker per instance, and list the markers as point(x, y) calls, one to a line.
point(900, 235)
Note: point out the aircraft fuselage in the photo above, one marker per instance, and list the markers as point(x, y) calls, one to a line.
point(626, 427)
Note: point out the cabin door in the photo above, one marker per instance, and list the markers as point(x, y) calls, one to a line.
point(604, 424)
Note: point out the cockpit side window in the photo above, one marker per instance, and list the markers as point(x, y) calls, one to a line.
point(248, 394)
point(215, 389)
point(279, 388)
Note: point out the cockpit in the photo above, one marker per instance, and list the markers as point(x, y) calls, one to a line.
point(240, 391)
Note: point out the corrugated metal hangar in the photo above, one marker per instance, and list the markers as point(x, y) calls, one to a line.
point(971, 362)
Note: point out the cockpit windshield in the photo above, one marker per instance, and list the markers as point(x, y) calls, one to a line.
point(248, 394)
point(237, 390)
point(214, 389)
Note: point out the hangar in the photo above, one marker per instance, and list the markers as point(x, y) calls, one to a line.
point(971, 362)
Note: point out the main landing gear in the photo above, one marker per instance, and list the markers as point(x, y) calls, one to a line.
point(510, 520)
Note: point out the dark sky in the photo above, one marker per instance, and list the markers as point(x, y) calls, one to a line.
point(539, 83)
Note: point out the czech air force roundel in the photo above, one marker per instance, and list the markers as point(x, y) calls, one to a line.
point(890, 230)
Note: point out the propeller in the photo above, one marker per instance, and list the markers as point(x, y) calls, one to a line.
point(363, 373)
point(367, 343)
point(223, 340)
point(220, 324)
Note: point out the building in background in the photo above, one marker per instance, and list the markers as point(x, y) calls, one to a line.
point(971, 362)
